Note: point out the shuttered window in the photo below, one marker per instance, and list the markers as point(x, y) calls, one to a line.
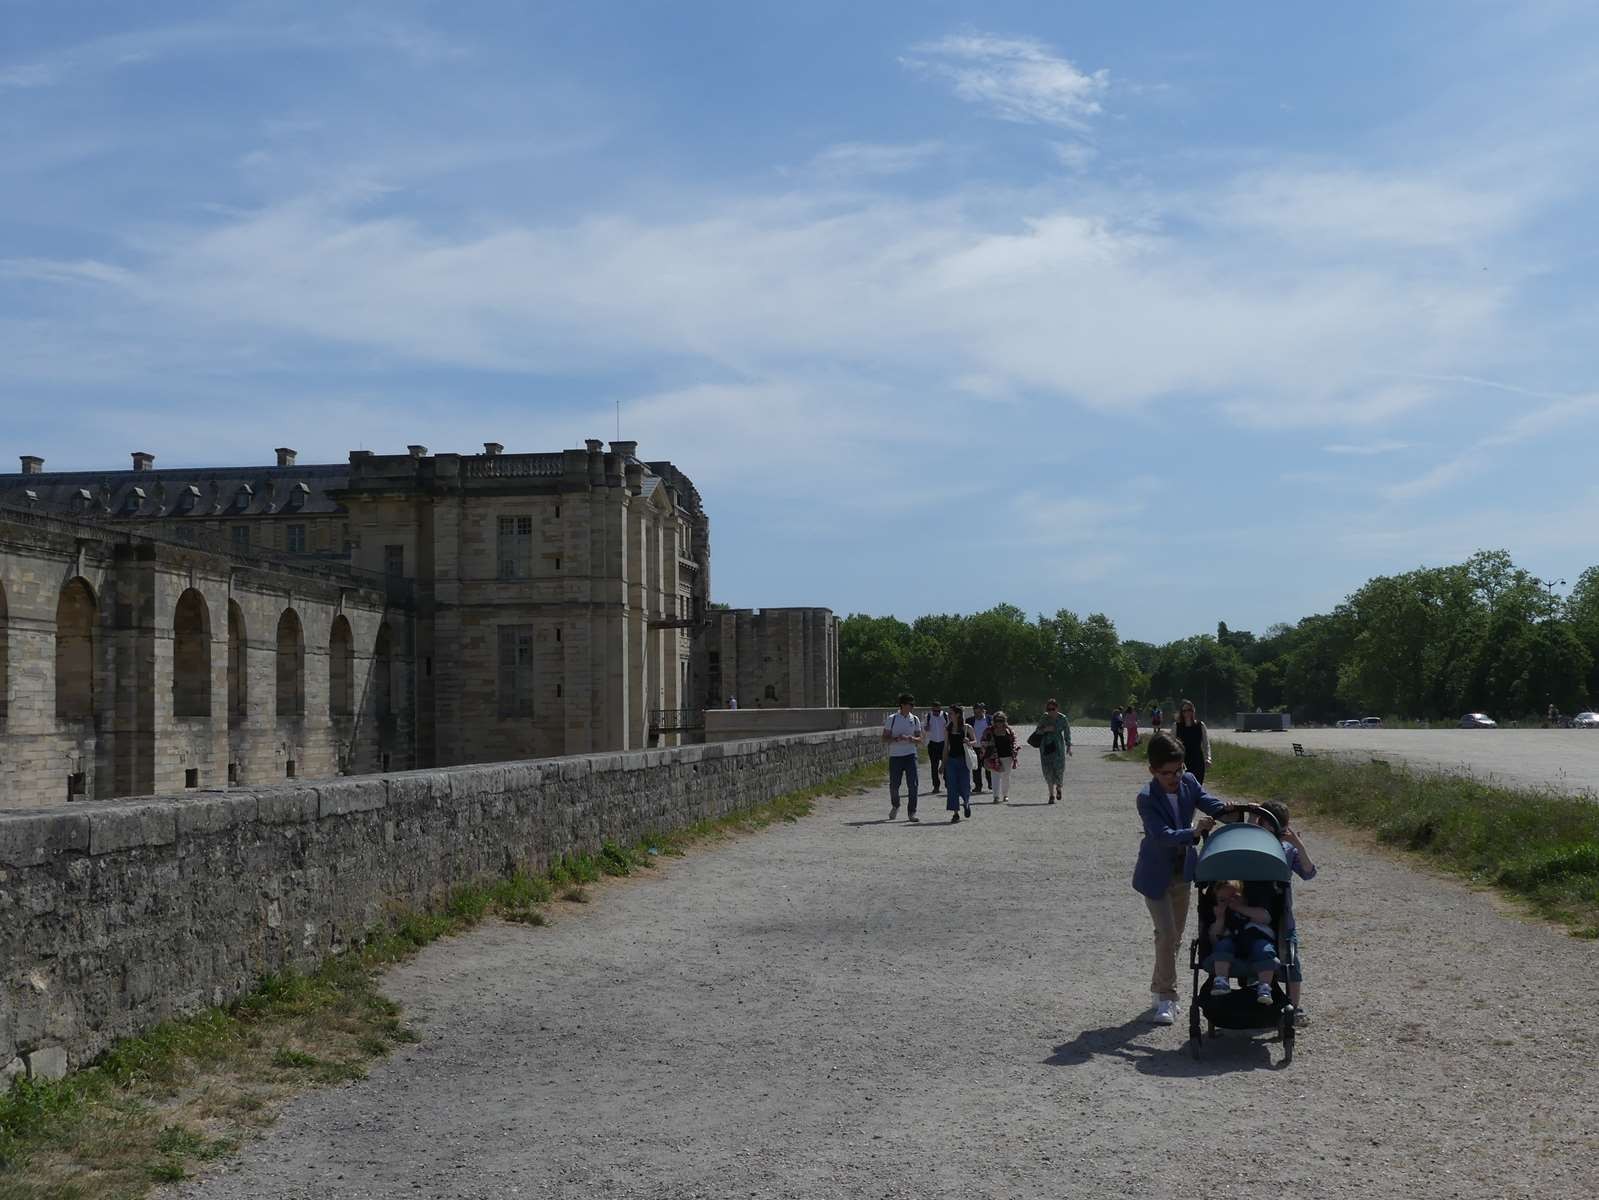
point(516, 547)
point(516, 671)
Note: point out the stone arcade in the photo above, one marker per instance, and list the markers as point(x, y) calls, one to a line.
point(199, 627)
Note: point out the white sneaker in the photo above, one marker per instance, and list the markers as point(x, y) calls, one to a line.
point(1220, 986)
point(1164, 1013)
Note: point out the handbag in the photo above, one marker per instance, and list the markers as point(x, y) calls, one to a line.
point(1036, 738)
point(971, 758)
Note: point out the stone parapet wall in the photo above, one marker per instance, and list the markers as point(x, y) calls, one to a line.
point(117, 915)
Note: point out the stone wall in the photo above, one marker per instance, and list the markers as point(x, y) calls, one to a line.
point(731, 724)
point(117, 915)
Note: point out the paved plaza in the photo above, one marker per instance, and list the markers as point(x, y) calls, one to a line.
point(1564, 759)
point(843, 1007)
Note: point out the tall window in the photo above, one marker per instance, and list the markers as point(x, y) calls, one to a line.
point(341, 669)
point(516, 547)
point(516, 671)
point(295, 535)
point(291, 666)
point(238, 664)
point(241, 537)
point(75, 620)
point(394, 561)
point(191, 656)
point(383, 673)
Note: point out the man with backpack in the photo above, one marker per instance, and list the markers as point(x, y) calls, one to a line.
point(902, 733)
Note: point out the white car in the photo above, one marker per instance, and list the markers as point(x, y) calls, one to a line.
point(1585, 720)
point(1371, 722)
point(1477, 721)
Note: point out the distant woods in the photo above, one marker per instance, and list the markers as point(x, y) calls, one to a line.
point(1430, 644)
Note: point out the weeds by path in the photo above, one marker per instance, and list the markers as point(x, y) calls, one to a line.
point(188, 1092)
point(1540, 846)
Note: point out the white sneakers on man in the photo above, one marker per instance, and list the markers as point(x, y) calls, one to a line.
point(1164, 1012)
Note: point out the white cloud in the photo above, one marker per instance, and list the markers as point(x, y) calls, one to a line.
point(1366, 449)
point(1353, 207)
point(1018, 78)
point(850, 159)
point(1075, 156)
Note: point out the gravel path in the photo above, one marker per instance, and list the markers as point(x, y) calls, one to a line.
point(1566, 760)
point(843, 1007)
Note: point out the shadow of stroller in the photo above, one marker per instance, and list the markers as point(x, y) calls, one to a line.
point(1222, 1056)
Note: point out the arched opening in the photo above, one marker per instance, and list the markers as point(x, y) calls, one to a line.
point(191, 656)
point(238, 665)
point(5, 655)
point(383, 674)
point(75, 620)
point(341, 669)
point(291, 665)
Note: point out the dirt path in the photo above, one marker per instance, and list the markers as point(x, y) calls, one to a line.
point(843, 1007)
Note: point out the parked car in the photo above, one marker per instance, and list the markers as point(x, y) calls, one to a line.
point(1478, 721)
point(1371, 722)
point(1585, 720)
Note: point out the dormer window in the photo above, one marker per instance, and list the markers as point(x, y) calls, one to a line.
point(188, 498)
point(243, 497)
point(133, 501)
point(298, 494)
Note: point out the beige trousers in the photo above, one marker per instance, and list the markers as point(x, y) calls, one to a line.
point(1170, 915)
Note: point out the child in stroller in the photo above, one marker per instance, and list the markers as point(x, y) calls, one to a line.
point(1241, 934)
point(1242, 873)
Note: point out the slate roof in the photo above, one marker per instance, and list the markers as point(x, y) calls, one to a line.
point(201, 492)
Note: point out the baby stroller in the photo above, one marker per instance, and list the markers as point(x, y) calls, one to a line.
point(1252, 854)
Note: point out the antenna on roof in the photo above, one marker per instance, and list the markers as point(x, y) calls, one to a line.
point(618, 420)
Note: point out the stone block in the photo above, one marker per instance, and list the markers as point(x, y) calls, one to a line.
point(213, 814)
point(352, 796)
point(287, 806)
point(30, 839)
point(47, 1063)
point(130, 826)
point(418, 789)
point(15, 1069)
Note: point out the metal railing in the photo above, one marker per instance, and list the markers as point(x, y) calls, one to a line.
point(676, 720)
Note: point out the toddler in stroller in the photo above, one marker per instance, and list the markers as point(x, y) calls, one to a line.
point(1242, 935)
point(1242, 873)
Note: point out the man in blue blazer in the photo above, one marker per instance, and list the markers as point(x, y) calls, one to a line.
point(1165, 868)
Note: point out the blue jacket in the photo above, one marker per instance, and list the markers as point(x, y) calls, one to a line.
point(1167, 847)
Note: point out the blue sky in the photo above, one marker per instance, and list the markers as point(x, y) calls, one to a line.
point(1180, 312)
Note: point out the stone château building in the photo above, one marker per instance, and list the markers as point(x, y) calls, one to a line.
point(166, 628)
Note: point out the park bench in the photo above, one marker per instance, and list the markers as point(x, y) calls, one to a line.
point(1301, 752)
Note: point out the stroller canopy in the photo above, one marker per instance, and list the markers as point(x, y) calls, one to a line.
point(1242, 852)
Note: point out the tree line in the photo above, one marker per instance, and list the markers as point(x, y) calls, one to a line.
point(1430, 644)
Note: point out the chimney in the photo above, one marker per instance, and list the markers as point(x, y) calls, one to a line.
point(142, 461)
point(32, 464)
point(625, 449)
point(417, 451)
point(594, 445)
point(493, 448)
point(285, 456)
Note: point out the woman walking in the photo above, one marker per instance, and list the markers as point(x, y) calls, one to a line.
point(957, 771)
point(999, 756)
point(1132, 727)
point(1191, 732)
point(1162, 874)
point(1056, 733)
point(1117, 741)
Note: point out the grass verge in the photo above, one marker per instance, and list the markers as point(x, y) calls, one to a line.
point(154, 1108)
point(1541, 847)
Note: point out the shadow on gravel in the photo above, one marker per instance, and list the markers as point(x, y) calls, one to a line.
point(1221, 1056)
point(878, 821)
point(1029, 804)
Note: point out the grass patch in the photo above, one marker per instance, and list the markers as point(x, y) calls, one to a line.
point(1539, 846)
point(154, 1107)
